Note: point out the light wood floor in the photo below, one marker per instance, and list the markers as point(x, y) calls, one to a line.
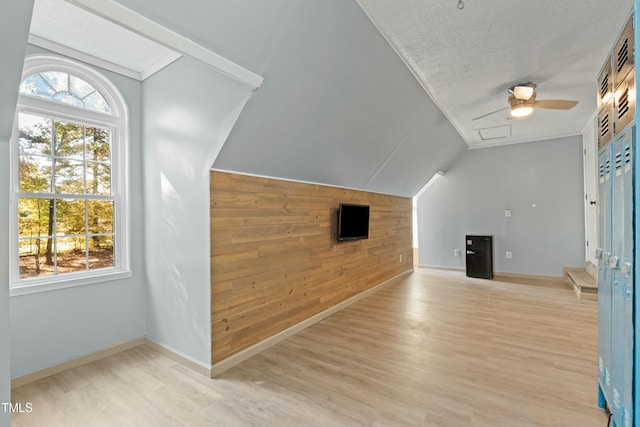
point(434, 348)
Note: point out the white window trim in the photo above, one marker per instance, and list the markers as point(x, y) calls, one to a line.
point(117, 120)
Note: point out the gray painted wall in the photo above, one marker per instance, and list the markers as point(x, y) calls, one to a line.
point(14, 27)
point(472, 197)
point(337, 106)
point(52, 327)
point(189, 111)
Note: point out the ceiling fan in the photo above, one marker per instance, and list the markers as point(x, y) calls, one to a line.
point(522, 101)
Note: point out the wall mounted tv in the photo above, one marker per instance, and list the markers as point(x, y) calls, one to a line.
point(353, 222)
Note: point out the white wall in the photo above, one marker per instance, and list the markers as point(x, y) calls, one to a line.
point(14, 27)
point(189, 112)
point(52, 327)
point(472, 197)
point(338, 106)
point(590, 166)
point(5, 336)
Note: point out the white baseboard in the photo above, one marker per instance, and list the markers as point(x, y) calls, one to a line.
point(554, 280)
point(83, 360)
point(206, 370)
point(504, 275)
point(436, 267)
point(245, 354)
point(179, 357)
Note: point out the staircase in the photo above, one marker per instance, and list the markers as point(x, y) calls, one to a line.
point(583, 282)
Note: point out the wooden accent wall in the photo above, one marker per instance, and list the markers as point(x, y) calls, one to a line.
point(275, 259)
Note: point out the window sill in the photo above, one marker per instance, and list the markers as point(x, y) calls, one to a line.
point(67, 282)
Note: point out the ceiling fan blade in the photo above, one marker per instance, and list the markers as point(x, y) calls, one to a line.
point(488, 114)
point(556, 104)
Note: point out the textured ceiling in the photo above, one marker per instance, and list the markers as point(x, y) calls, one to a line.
point(467, 59)
point(69, 26)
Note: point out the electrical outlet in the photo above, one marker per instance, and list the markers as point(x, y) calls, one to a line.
point(508, 255)
point(456, 252)
point(400, 258)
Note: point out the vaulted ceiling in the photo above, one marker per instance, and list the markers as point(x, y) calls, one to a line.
point(380, 95)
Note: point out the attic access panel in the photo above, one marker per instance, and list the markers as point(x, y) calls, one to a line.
point(494, 132)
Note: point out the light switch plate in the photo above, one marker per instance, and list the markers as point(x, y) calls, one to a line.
point(507, 213)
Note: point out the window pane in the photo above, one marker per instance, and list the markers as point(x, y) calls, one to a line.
point(69, 177)
point(33, 257)
point(100, 217)
point(34, 216)
point(79, 87)
point(35, 174)
point(68, 98)
point(96, 102)
point(70, 216)
point(101, 252)
point(98, 144)
point(35, 85)
point(69, 140)
point(65, 89)
point(98, 179)
point(35, 135)
point(58, 80)
point(71, 254)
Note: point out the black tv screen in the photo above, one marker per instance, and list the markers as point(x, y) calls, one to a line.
point(353, 222)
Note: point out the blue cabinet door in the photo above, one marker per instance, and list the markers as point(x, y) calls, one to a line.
point(621, 370)
point(604, 276)
point(626, 273)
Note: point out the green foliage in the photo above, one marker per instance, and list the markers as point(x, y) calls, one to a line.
point(70, 159)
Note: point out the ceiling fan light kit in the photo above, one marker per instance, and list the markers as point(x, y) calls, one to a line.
point(522, 101)
point(523, 91)
point(521, 107)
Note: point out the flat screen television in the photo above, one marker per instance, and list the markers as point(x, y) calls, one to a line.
point(353, 222)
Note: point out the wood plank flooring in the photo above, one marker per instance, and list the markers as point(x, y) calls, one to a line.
point(433, 349)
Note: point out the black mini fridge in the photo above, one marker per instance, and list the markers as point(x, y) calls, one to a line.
point(479, 256)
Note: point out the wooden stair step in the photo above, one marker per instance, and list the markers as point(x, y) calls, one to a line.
point(584, 285)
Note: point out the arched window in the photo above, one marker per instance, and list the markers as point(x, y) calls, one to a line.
point(69, 174)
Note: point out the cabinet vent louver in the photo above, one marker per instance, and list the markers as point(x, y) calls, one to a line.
point(618, 161)
point(607, 167)
point(604, 86)
point(601, 171)
point(627, 154)
point(604, 125)
point(622, 55)
point(623, 104)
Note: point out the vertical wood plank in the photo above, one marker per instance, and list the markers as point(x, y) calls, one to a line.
point(276, 260)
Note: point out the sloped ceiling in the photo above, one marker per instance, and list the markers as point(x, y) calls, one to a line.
point(13, 42)
point(468, 58)
point(349, 90)
point(337, 105)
